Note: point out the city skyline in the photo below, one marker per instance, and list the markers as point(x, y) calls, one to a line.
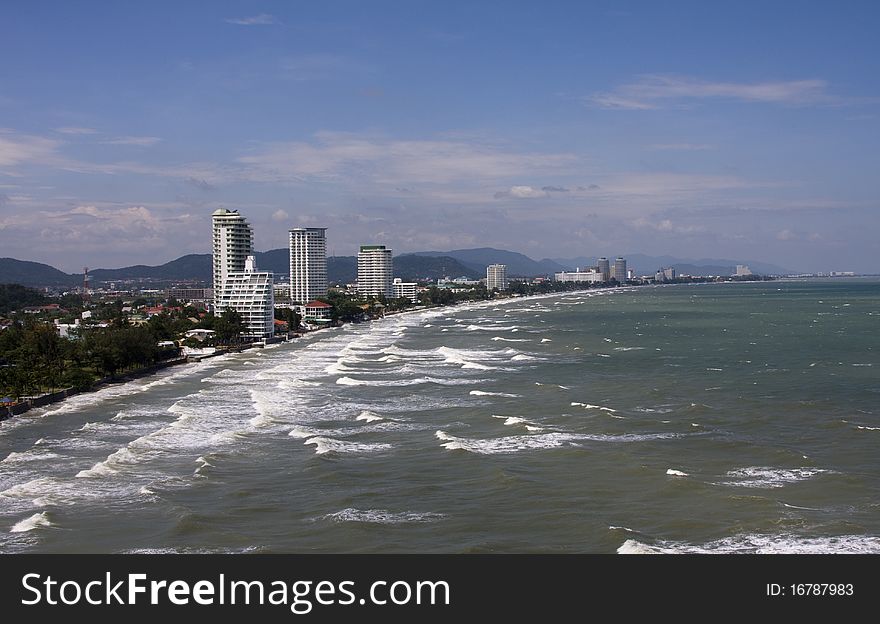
point(740, 131)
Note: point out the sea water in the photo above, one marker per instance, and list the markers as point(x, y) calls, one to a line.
point(690, 418)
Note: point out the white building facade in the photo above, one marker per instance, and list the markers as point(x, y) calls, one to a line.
point(619, 272)
point(233, 242)
point(604, 268)
point(308, 264)
point(590, 275)
point(251, 294)
point(375, 269)
point(496, 277)
point(401, 289)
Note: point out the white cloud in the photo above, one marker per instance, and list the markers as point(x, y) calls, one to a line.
point(396, 163)
point(141, 141)
point(263, 19)
point(16, 149)
point(521, 192)
point(656, 90)
point(280, 215)
point(76, 130)
point(786, 235)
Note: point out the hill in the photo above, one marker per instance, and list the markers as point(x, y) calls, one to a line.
point(517, 264)
point(35, 274)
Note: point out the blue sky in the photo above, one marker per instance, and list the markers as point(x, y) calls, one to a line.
point(744, 130)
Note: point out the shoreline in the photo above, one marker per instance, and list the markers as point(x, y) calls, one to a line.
point(6, 413)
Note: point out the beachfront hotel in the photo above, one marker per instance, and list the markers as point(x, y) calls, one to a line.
point(375, 269)
point(620, 271)
point(604, 268)
point(590, 275)
point(238, 285)
point(233, 242)
point(308, 264)
point(496, 277)
point(251, 294)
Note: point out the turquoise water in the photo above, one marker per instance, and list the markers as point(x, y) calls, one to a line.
point(711, 418)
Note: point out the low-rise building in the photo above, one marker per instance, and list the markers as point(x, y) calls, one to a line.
point(590, 275)
point(409, 290)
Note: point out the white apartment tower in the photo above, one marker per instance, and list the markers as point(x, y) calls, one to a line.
point(233, 242)
point(375, 271)
point(604, 269)
point(250, 293)
point(496, 277)
point(620, 271)
point(308, 264)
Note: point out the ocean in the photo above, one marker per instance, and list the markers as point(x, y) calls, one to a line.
point(713, 418)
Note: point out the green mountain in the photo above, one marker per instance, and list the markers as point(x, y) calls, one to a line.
point(518, 264)
point(341, 269)
point(35, 274)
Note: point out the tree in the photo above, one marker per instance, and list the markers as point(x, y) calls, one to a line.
point(228, 327)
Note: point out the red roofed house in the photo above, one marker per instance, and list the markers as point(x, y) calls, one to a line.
point(317, 311)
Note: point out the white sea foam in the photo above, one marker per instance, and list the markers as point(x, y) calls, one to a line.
point(491, 328)
point(457, 356)
point(508, 444)
point(34, 522)
point(628, 348)
point(516, 420)
point(676, 473)
point(761, 544)
point(591, 406)
point(766, 477)
point(382, 516)
point(302, 432)
point(329, 445)
point(28, 456)
point(546, 340)
point(500, 339)
point(101, 469)
point(348, 381)
point(369, 416)
point(499, 394)
point(868, 428)
point(522, 358)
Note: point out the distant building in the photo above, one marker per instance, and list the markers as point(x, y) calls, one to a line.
point(665, 274)
point(496, 277)
point(308, 264)
point(251, 294)
point(742, 270)
point(191, 294)
point(619, 272)
point(587, 275)
point(233, 242)
point(282, 292)
point(375, 271)
point(401, 289)
point(604, 268)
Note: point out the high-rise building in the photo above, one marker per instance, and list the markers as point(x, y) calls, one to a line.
point(604, 269)
point(308, 264)
point(375, 269)
point(620, 271)
point(233, 242)
point(742, 270)
point(496, 277)
point(250, 293)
